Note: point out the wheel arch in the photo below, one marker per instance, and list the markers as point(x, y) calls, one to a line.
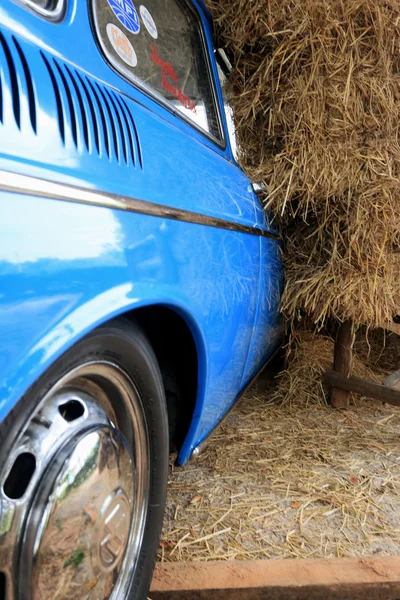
point(177, 353)
point(161, 319)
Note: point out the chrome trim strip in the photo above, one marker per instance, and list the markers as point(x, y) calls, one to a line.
point(44, 188)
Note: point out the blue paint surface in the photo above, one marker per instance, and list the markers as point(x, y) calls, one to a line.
point(66, 268)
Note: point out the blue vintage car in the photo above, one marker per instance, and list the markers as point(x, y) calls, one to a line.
point(139, 283)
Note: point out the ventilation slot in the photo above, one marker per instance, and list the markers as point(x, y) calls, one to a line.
point(59, 104)
point(96, 114)
point(13, 80)
point(134, 131)
point(29, 84)
point(81, 108)
point(96, 133)
point(103, 125)
point(121, 129)
point(70, 102)
point(20, 476)
point(111, 120)
point(15, 72)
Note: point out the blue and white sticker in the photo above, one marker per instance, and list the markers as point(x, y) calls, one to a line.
point(126, 13)
point(148, 22)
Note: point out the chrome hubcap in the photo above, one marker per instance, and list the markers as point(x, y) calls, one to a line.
point(114, 531)
point(74, 529)
point(84, 525)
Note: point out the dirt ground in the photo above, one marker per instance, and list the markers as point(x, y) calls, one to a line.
point(289, 481)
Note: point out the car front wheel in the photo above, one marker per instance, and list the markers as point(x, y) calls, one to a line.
point(83, 472)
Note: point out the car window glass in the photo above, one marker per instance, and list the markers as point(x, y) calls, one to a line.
point(160, 45)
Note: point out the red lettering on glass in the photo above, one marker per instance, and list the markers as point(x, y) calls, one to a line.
point(164, 66)
point(167, 70)
point(177, 92)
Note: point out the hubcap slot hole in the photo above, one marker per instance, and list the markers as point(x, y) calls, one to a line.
point(71, 410)
point(19, 477)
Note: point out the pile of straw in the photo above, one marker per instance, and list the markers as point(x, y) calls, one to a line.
point(290, 481)
point(315, 93)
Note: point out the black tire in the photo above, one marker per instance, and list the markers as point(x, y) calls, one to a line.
point(123, 342)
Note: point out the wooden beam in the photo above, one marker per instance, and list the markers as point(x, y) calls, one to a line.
point(340, 398)
point(363, 387)
point(375, 578)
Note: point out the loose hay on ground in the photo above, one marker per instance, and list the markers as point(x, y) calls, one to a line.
point(285, 479)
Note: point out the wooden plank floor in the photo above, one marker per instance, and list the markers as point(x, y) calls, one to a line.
point(375, 578)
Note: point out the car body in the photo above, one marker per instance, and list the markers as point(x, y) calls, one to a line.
point(115, 201)
point(66, 267)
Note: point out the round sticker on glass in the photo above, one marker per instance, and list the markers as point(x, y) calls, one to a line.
point(121, 45)
point(126, 13)
point(148, 22)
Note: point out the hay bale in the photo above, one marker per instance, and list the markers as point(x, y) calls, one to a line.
point(315, 93)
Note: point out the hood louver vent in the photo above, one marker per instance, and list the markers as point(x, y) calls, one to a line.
point(92, 118)
point(13, 62)
point(98, 118)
